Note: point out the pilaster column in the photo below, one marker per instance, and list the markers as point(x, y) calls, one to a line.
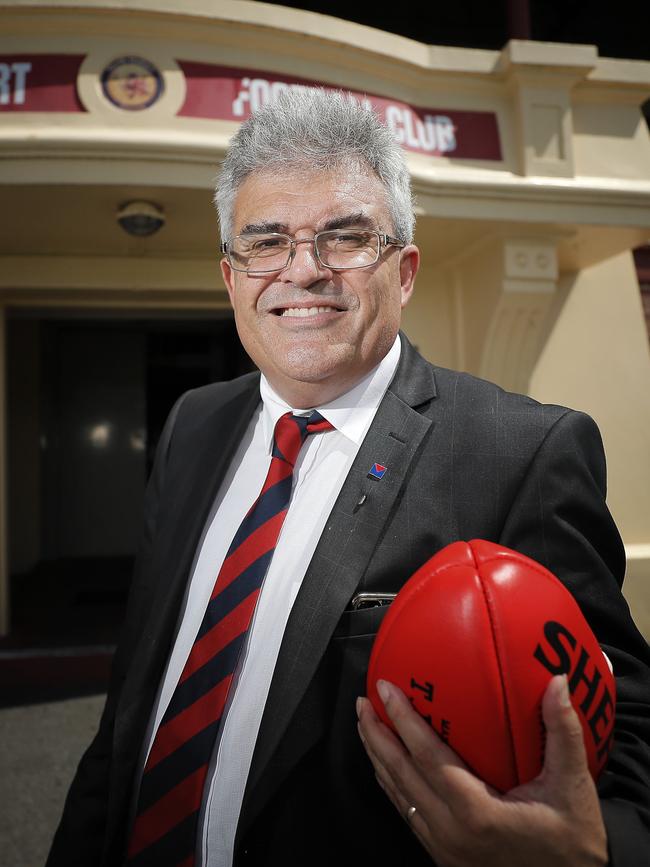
point(506, 287)
point(540, 78)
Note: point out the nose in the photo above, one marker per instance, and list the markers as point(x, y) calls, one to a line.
point(304, 267)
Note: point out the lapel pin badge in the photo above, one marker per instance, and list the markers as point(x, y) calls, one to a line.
point(377, 471)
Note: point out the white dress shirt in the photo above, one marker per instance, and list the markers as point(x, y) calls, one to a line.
point(319, 473)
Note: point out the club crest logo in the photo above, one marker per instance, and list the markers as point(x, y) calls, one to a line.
point(377, 471)
point(132, 83)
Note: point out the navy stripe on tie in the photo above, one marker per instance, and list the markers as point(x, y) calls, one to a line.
point(267, 506)
point(205, 678)
point(234, 594)
point(173, 769)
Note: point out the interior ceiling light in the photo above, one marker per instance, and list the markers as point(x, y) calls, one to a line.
point(140, 218)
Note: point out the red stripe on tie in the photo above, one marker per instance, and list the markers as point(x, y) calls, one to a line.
point(278, 471)
point(319, 426)
point(188, 862)
point(221, 634)
point(288, 439)
point(251, 549)
point(183, 800)
point(189, 722)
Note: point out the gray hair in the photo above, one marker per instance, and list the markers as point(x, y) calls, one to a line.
point(311, 129)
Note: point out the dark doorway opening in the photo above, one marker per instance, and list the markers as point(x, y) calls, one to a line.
point(87, 399)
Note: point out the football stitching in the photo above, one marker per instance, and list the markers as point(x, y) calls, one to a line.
point(498, 653)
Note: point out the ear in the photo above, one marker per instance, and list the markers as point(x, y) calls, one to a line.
point(409, 263)
point(228, 278)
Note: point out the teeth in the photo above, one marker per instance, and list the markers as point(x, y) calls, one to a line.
point(307, 311)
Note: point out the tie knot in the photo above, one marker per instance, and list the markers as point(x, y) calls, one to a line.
point(291, 431)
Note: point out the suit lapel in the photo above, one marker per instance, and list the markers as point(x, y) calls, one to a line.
point(346, 546)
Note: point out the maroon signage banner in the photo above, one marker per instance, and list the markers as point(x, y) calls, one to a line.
point(39, 82)
point(224, 93)
point(47, 82)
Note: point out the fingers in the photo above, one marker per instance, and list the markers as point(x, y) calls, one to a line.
point(565, 755)
point(394, 771)
point(421, 771)
point(569, 787)
point(424, 745)
point(459, 819)
point(421, 768)
point(393, 766)
point(444, 770)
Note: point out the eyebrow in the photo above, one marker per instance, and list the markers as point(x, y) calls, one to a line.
point(358, 219)
point(363, 221)
point(263, 228)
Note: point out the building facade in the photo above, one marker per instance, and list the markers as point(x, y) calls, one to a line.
point(531, 168)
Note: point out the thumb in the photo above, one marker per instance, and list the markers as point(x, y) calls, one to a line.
point(565, 756)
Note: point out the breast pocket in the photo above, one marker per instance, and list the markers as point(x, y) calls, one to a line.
point(362, 622)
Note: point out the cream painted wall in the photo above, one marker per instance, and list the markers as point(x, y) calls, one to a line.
point(621, 135)
point(636, 588)
point(597, 359)
point(429, 320)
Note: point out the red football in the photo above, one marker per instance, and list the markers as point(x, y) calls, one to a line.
point(473, 639)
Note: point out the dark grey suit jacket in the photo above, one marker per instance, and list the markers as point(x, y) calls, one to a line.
point(465, 460)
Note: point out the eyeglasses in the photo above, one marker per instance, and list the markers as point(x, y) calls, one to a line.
point(336, 249)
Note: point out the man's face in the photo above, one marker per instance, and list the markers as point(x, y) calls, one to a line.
point(354, 314)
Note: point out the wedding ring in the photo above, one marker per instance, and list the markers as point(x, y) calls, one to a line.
point(410, 813)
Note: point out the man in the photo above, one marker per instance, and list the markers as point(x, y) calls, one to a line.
point(317, 221)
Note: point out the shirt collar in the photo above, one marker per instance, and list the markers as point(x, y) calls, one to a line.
point(350, 413)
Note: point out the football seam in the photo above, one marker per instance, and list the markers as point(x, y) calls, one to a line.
point(498, 653)
point(392, 615)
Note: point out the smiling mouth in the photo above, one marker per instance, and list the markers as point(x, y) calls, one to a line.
point(305, 312)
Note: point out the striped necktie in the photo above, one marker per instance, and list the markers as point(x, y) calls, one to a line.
point(165, 828)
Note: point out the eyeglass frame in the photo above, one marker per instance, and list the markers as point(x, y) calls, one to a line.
point(384, 241)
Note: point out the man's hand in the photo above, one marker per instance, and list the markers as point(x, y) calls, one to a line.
point(553, 821)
